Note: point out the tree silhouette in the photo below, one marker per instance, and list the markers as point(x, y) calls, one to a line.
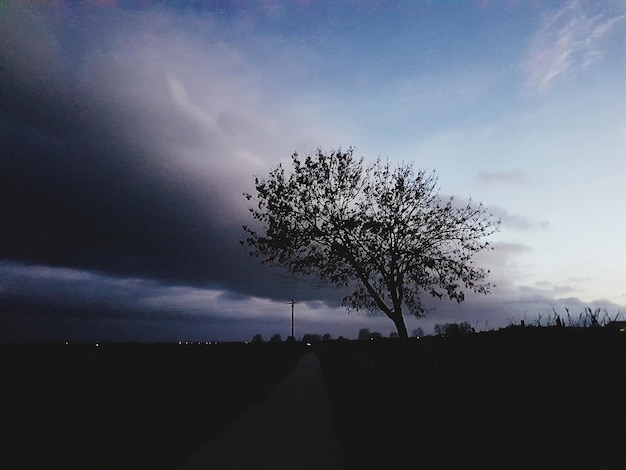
point(418, 332)
point(382, 232)
point(453, 329)
point(364, 333)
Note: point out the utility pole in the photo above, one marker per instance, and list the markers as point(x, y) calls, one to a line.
point(293, 302)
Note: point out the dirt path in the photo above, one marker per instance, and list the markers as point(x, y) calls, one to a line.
point(290, 429)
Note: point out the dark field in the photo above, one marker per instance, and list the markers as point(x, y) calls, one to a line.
point(517, 398)
point(520, 398)
point(126, 406)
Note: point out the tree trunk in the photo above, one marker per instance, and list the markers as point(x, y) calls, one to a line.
point(398, 320)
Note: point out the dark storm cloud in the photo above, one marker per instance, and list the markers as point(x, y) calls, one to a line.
point(127, 142)
point(70, 293)
point(126, 146)
point(43, 303)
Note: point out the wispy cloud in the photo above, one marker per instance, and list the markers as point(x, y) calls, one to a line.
point(517, 177)
point(568, 40)
point(518, 222)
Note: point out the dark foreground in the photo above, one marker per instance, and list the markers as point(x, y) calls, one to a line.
point(121, 406)
point(518, 398)
point(540, 398)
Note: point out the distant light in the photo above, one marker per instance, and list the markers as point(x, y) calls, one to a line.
point(97, 345)
point(622, 330)
point(180, 342)
point(67, 342)
point(308, 344)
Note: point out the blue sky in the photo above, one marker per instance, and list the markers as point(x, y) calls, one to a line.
point(131, 129)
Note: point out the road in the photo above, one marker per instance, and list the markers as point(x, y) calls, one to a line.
point(291, 428)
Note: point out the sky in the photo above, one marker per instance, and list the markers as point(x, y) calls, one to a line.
point(129, 131)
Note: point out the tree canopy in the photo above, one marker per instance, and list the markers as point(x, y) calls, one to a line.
point(380, 231)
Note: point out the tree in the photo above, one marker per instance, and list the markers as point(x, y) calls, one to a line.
point(364, 333)
point(454, 329)
point(418, 332)
point(311, 338)
point(382, 232)
point(466, 329)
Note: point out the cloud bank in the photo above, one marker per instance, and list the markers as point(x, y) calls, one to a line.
point(130, 155)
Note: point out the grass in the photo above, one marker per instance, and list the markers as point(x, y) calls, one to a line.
point(588, 318)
